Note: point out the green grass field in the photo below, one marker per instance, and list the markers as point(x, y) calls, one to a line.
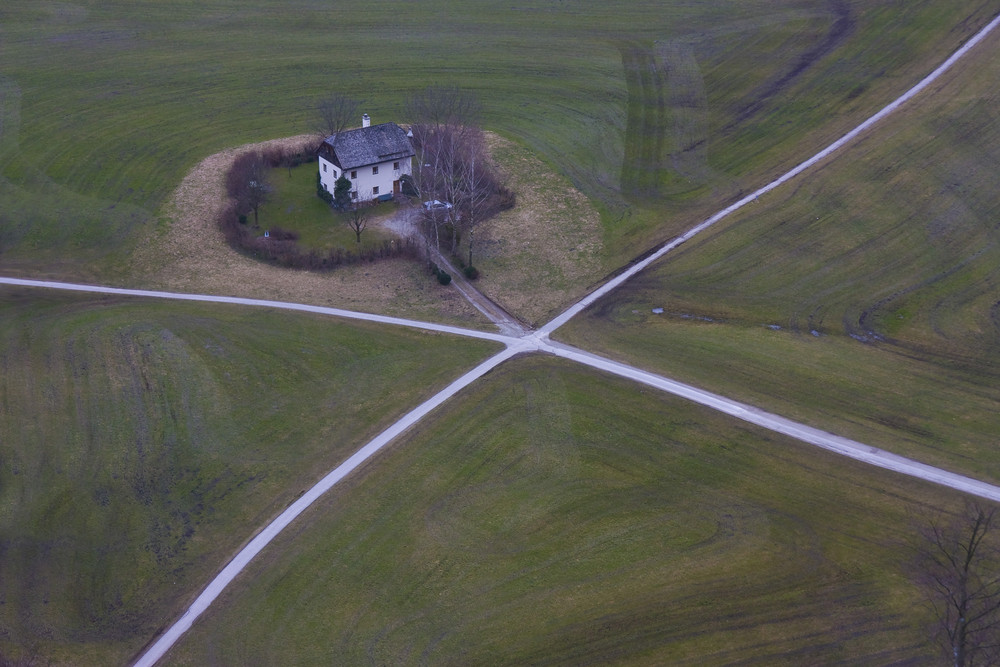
point(144, 442)
point(550, 515)
point(862, 299)
point(555, 516)
point(105, 105)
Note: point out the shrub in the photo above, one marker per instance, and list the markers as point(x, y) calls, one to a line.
point(471, 272)
point(507, 199)
point(341, 197)
point(321, 191)
point(443, 276)
point(279, 234)
point(407, 187)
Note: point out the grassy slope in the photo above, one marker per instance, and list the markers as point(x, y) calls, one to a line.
point(556, 516)
point(141, 443)
point(543, 253)
point(106, 105)
point(881, 272)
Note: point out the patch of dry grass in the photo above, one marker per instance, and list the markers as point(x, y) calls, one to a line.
point(542, 255)
point(188, 253)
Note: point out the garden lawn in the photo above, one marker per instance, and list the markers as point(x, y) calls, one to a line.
point(553, 515)
point(293, 205)
point(862, 298)
point(141, 443)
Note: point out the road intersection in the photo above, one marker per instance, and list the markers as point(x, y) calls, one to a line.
point(539, 342)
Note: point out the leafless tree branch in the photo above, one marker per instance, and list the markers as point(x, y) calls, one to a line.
point(958, 563)
point(334, 114)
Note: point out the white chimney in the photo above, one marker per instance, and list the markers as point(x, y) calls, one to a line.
point(366, 120)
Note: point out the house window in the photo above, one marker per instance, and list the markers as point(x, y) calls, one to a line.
point(354, 174)
point(354, 194)
point(374, 170)
point(375, 190)
point(335, 173)
point(324, 167)
point(395, 165)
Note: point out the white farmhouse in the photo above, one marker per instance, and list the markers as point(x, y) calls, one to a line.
point(373, 157)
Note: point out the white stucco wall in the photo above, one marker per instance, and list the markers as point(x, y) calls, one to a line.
point(328, 174)
point(366, 181)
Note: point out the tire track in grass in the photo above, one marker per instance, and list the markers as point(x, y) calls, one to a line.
point(666, 133)
point(841, 29)
point(802, 167)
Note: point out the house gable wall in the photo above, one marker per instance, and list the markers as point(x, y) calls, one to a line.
point(328, 173)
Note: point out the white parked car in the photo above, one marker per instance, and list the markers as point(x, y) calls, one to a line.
point(436, 205)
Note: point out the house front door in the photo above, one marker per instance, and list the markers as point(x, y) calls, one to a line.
point(395, 187)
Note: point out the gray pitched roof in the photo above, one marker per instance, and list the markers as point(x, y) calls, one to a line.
point(366, 146)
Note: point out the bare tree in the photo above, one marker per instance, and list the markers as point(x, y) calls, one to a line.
point(436, 107)
point(959, 569)
point(334, 114)
point(442, 119)
point(247, 182)
point(357, 216)
point(477, 187)
point(445, 136)
point(453, 165)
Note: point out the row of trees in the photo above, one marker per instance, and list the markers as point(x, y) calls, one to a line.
point(453, 166)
